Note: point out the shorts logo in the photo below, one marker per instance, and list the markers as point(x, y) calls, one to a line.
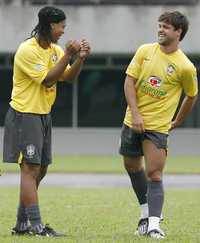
point(30, 150)
point(155, 81)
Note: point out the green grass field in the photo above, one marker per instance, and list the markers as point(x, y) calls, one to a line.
point(110, 164)
point(103, 215)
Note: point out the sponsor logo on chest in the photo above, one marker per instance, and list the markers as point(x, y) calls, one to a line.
point(155, 81)
point(152, 87)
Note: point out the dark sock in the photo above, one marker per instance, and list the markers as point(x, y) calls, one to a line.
point(22, 219)
point(139, 184)
point(155, 198)
point(33, 213)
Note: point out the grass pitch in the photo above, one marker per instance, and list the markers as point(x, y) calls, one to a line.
point(103, 215)
point(110, 164)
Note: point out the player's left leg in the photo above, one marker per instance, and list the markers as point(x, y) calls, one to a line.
point(22, 225)
point(155, 159)
point(46, 153)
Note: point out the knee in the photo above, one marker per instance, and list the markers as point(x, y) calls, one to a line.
point(133, 167)
point(154, 175)
point(29, 170)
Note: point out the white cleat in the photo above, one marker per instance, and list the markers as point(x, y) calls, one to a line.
point(156, 234)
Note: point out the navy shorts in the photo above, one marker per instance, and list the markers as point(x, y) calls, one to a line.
point(131, 142)
point(27, 137)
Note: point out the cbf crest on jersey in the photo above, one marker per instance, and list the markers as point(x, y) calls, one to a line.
point(155, 81)
point(54, 57)
point(170, 69)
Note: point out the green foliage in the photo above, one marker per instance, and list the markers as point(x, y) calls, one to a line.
point(103, 215)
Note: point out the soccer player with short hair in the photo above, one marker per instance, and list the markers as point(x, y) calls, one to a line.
point(38, 64)
point(156, 78)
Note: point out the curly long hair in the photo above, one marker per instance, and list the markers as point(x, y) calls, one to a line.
point(47, 15)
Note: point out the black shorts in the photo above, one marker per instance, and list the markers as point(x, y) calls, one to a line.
point(131, 142)
point(27, 136)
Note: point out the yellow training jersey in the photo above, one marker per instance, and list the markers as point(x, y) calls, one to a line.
point(31, 65)
point(161, 78)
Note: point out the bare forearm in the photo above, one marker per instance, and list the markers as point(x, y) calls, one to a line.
point(72, 47)
point(56, 72)
point(130, 93)
point(186, 107)
point(73, 72)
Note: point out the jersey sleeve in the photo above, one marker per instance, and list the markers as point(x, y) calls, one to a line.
point(189, 81)
point(31, 64)
point(134, 67)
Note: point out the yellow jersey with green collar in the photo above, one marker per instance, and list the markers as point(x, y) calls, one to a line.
point(31, 65)
point(161, 78)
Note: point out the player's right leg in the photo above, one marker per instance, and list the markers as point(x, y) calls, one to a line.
point(135, 170)
point(23, 142)
point(131, 149)
point(11, 154)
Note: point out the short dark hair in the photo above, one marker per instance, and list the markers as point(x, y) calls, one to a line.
point(46, 16)
point(177, 20)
